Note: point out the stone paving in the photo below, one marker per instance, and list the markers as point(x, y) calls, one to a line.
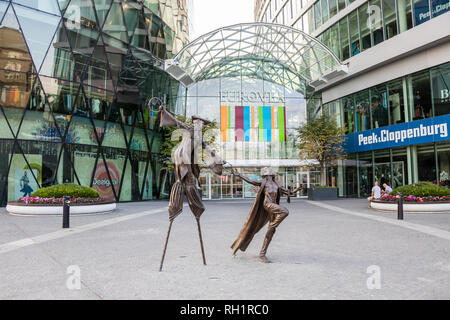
point(317, 253)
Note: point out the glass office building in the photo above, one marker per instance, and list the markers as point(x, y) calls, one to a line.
point(75, 80)
point(397, 85)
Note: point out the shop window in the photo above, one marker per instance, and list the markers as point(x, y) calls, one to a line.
point(310, 16)
point(376, 22)
point(364, 24)
point(334, 39)
point(361, 116)
point(317, 15)
point(350, 176)
point(333, 7)
point(324, 8)
point(365, 174)
point(421, 96)
point(354, 33)
point(396, 102)
point(344, 45)
point(383, 167)
point(440, 86)
point(421, 11)
point(399, 167)
point(350, 113)
point(390, 18)
point(379, 106)
point(443, 152)
point(439, 7)
point(426, 162)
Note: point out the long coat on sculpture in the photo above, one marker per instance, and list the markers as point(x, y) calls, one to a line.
point(187, 171)
point(266, 209)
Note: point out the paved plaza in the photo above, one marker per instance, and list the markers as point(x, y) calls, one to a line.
point(323, 250)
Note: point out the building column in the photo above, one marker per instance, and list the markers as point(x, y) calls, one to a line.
point(341, 177)
point(401, 14)
point(413, 170)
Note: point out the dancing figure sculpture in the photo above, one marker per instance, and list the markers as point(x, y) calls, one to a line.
point(266, 208)
point(187, 171)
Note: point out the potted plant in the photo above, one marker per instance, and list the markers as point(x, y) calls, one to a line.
point(321, 144)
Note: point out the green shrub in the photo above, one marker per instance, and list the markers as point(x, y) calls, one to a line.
point(66, 189)
point(422, 189)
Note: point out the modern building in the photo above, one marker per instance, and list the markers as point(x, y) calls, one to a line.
point(257, 81)
point(76, 77)
point(394, 100)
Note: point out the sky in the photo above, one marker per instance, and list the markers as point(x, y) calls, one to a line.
point(208, 15)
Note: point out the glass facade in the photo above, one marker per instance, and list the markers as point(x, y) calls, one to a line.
point(368, 25)
point(75, 78)
point(257, 121)
point(414, 97)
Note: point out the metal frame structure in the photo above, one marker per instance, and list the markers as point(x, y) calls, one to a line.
point(273, 52)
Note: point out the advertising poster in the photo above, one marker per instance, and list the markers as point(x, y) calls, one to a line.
point(101, 181)
point(21, 182)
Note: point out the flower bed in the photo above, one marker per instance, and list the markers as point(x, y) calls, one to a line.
point(54, 206)
point(59, 201)
point(414, 199)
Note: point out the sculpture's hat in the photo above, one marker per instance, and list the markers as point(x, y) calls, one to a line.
point(205, 122)
point(267, 171)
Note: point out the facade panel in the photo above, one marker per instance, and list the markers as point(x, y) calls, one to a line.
point(75, 79)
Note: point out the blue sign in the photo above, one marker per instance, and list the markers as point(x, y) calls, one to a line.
point(404, 134)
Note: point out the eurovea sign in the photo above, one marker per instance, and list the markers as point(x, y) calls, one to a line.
point(404, 134)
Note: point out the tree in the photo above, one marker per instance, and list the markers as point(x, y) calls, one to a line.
point(321, 139)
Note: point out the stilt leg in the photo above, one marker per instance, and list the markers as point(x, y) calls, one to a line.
point(165, 245)
point(201, 240)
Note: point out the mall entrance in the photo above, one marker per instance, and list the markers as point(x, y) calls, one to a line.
point(227, 186)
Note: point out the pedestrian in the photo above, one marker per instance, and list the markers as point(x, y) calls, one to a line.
point(387, 189)
point(376, 192)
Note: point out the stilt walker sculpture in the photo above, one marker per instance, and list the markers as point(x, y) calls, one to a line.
point(186, 169)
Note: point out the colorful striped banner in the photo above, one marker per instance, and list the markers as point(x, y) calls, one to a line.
point(250, 123)
point(239, 123)
point(223, 122)
point(246, 123)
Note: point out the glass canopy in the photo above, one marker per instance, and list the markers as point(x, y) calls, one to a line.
point(273, 52)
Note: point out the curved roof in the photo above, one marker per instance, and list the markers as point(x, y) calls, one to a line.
point(272, 52)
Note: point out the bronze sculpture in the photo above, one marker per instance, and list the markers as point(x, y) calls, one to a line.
point(186, 171)
point(266, 208)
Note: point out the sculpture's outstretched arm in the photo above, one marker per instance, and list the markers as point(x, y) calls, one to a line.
point(253, 182)
point(286, 192)
point(296, 190)
point(169, 120)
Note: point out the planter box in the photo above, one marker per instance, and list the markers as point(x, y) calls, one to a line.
point(322, 194)
point(424, 207)
point(42, 209)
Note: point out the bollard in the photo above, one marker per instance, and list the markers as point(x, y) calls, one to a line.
point(66, 212)
point(400, 207)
